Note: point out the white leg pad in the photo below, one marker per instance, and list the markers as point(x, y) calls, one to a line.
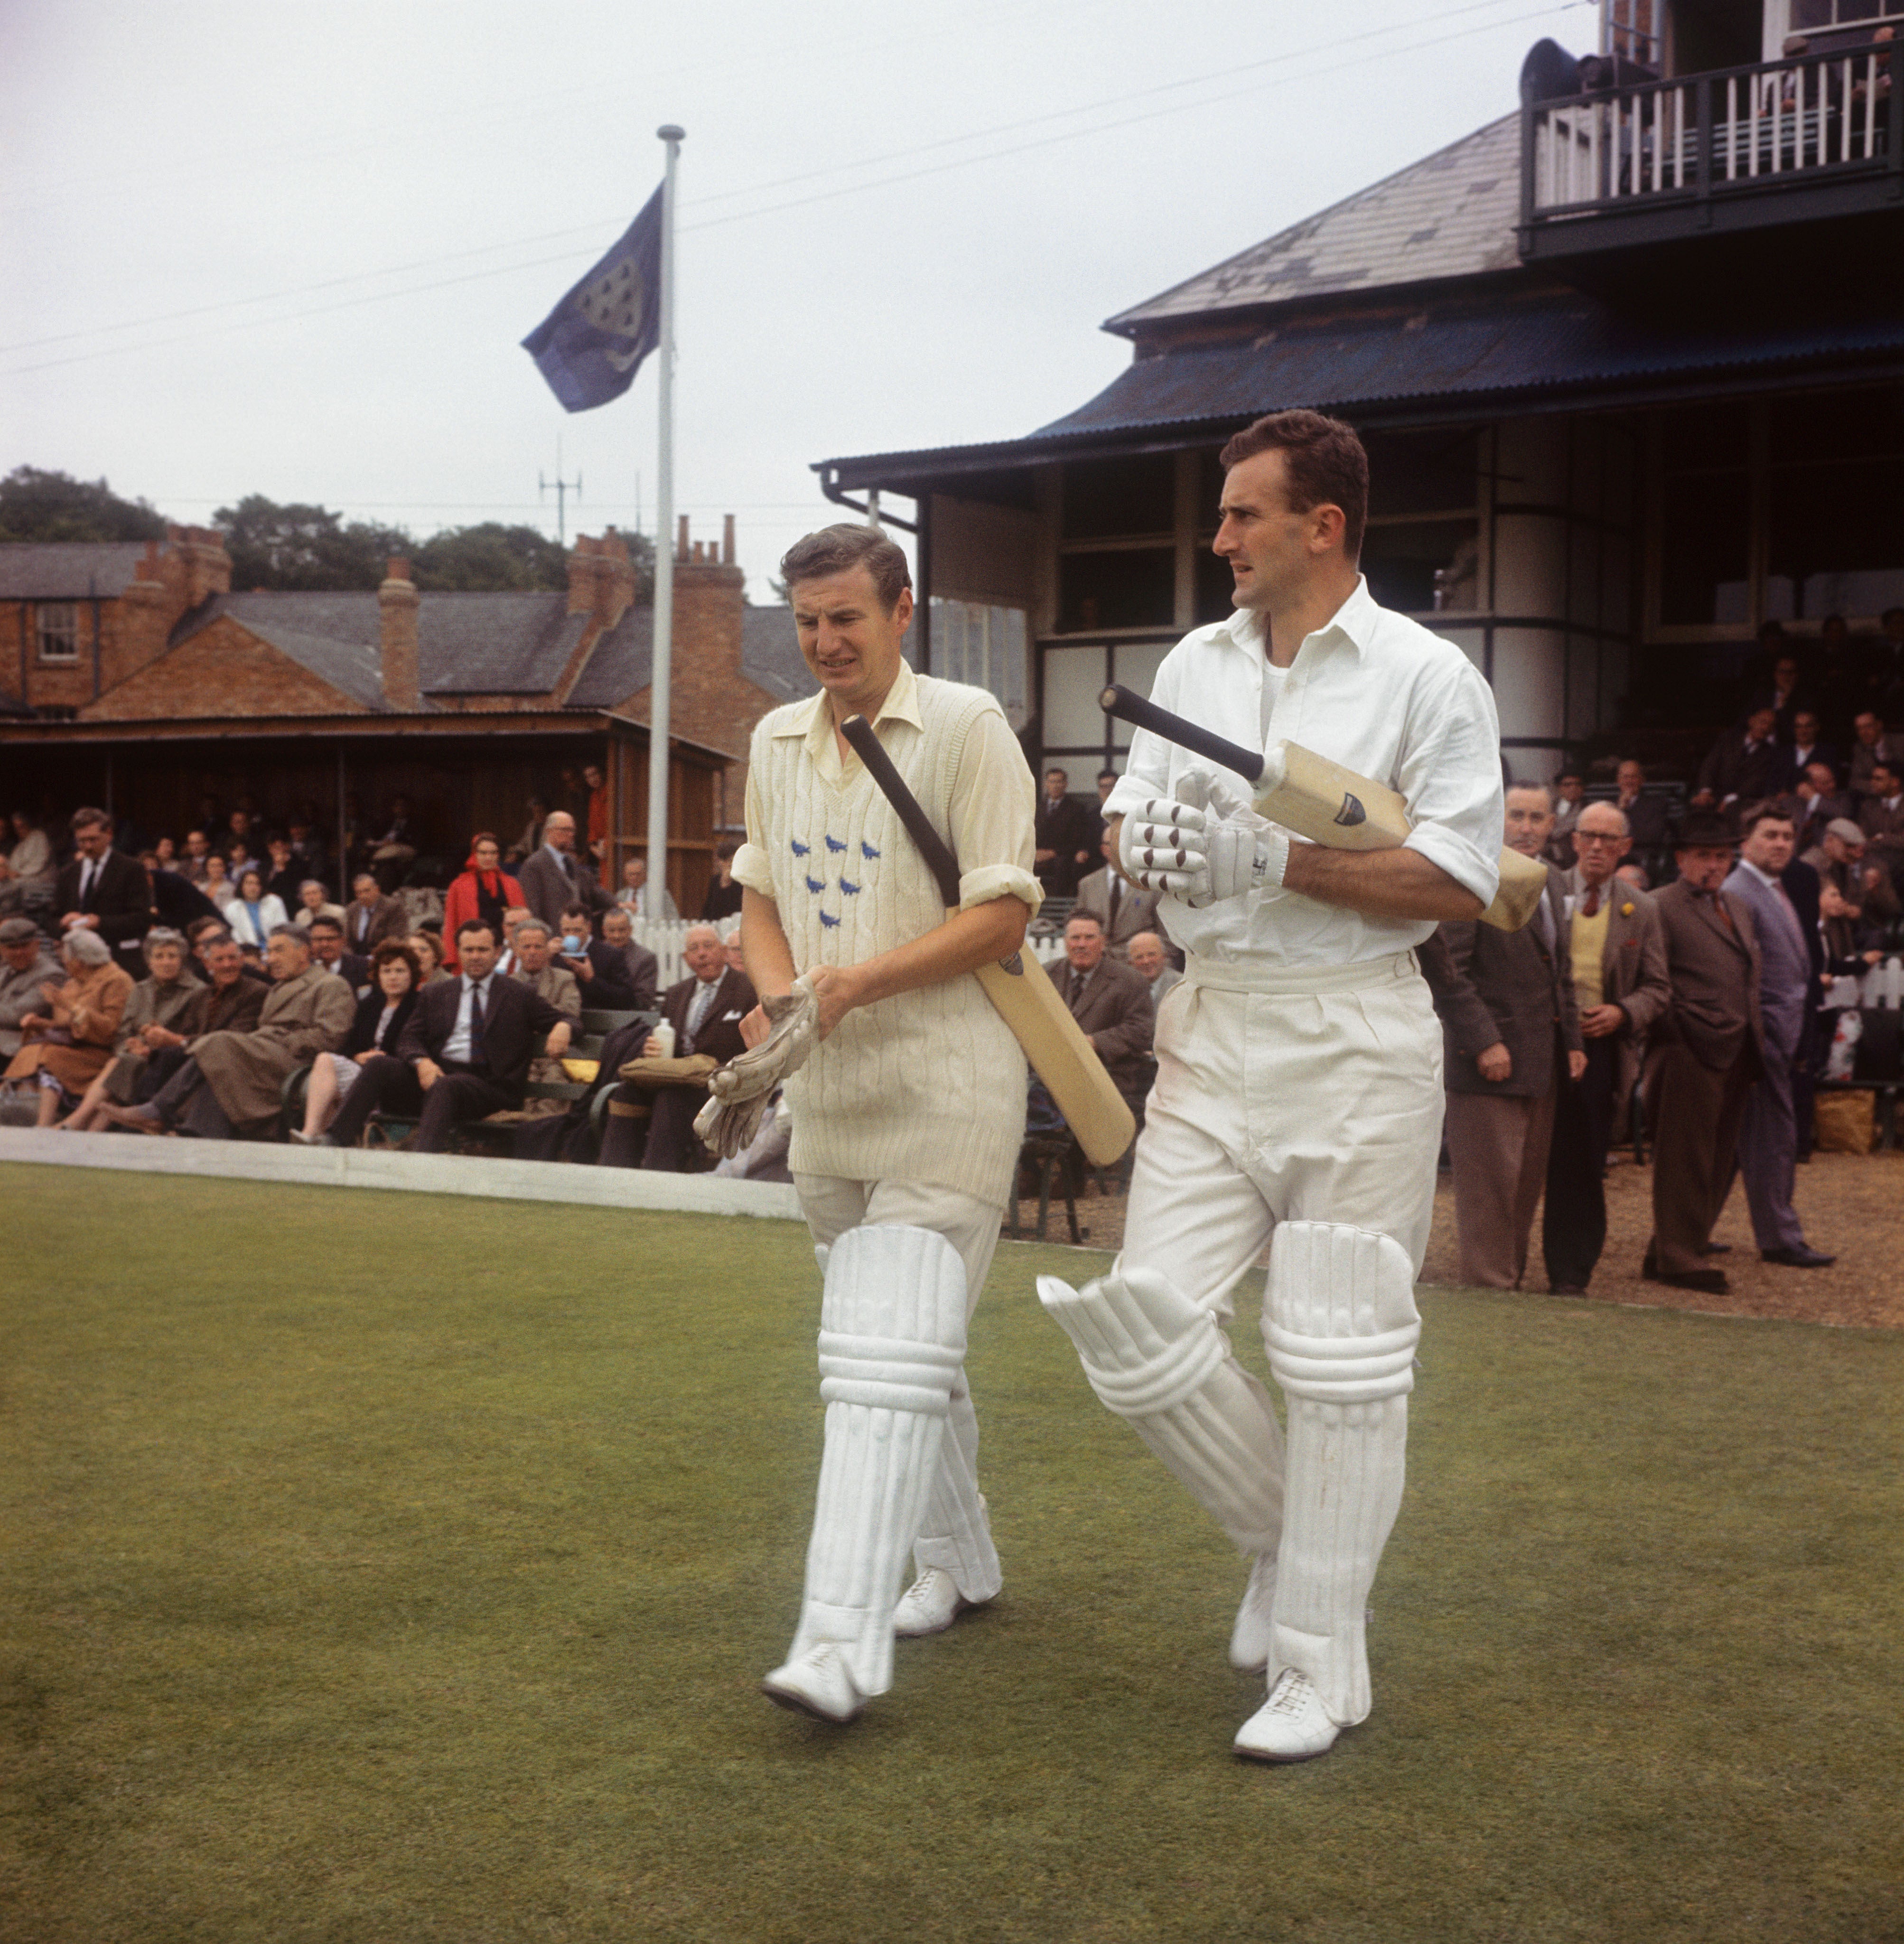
point(1161, 1362)
point(956, 1534)
point(1339, 1320)
point(892, 1338)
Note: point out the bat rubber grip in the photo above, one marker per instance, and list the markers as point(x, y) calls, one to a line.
point(1128, 706)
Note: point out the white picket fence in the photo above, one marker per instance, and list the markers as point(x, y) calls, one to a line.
point(666, 936)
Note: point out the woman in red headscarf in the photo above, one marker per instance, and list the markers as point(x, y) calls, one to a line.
point(484, 891)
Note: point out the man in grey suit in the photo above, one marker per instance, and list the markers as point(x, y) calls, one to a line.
point(1768, 1135)
point(1511, 1039)
point(1121, 909)
point(553, 877)
point(1704, 1054)
point(1617, 960)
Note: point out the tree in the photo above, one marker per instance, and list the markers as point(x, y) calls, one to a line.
point(303, 548)
point(37, 504)
point(487, 557)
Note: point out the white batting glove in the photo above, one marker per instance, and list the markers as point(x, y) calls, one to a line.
point(739, 1093)
point(1202, 845)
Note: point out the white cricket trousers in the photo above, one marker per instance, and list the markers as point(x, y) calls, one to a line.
point(957, 1534)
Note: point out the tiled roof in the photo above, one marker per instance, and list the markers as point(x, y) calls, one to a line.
point(1452, 214)
point(623, 662)
point(348, 666)
point(67, 570)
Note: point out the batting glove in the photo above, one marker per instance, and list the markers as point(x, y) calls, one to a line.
point(1202, 845)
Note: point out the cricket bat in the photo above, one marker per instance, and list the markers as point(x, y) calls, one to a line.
point(1024, 997)
point(1321, 801)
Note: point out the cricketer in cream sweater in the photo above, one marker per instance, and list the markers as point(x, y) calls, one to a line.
point(907, 1114)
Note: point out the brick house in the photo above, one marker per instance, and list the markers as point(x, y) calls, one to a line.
point(143, 681)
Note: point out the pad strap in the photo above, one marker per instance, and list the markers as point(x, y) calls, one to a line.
point(887, 1373)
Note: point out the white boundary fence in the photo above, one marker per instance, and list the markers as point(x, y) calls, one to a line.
point(665, 937)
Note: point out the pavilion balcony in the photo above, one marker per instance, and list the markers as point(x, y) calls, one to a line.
point(1816, 137)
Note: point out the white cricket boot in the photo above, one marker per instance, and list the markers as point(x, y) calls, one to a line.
point(929, 1605)
point(1291, 1726)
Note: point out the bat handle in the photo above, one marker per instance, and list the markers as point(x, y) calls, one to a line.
point(1129, 706)
point(939, 859)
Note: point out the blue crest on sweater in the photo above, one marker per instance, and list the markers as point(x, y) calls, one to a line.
point(851, 890)
point(834, 844)
point(815, 885)
point(799, 850)
point(866, 849)
point(828, 919)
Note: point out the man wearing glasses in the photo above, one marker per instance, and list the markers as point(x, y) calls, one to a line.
point(1619, 988)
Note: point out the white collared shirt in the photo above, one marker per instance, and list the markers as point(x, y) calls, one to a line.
point(456, 1046)
point(1375, 692)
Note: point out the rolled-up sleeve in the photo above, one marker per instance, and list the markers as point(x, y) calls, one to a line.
point(993, 816)
point(750, 866)
point(1451, 778)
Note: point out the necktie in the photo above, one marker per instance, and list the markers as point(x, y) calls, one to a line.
point(697, 1012)
point(86, 879)
point(478, 1056)
point(1790, 914)
point(1725, 917)
point(568, 867)
point(1590, 904)
point(1117, 891)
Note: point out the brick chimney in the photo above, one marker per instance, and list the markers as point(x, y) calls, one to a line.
point(710, 601)
point(147, 609)
point(398, 602)
point(582, 567)
point(614, 579)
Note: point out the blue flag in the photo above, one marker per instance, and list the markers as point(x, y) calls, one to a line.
point(592, 344)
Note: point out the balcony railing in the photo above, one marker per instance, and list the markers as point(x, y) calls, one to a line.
point(1705, 139)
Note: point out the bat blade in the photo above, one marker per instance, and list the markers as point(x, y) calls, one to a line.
point(1023, 996)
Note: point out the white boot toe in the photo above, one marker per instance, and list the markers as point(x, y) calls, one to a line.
point(1291, 1726)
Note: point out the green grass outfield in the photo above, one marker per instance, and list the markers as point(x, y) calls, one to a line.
point(390, 1567)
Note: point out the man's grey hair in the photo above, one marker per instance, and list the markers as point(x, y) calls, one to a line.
point(87, 946)
point(713, 931)
point(318, 883)
point(534, 924)
point(163, 934)
point(298, 935)
point(1600, 803)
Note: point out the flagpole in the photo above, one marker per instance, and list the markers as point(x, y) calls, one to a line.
point(664, 545)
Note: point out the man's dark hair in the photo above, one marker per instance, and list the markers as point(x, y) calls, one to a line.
point(322, 924)
point(1569, 775)
point(1052, 770)
point(89, 820)
point(838, 550)
point(1767, 810)
point(1323, 461)
point(470, 924)
point(1085, 917)
point(1111, 773)
point(576, 911)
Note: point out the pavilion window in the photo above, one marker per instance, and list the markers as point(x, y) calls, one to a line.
point(1835, 508)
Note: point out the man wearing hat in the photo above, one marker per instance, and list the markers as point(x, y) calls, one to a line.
point(1840, 861)
point(25, 965)
point(1707, 1049)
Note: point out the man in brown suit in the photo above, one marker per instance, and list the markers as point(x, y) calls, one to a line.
point(1704, 1057)
point(1510, 1038)
point(370, 917)
point(1124, 911)
point(1112, 1003)
point(1618, 964)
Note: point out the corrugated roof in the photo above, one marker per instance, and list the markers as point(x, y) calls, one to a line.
point(67, 570)
point(1452, 214)
point(1559, 342)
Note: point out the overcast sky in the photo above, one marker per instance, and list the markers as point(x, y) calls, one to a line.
point(291, 248)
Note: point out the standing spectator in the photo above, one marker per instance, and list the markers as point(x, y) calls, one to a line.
point(102, 890)
point(1570, 793)
point(25, 965)
point(638, 972)
point(1768, 1133)
point(1645, 814)
point(530, 842)
point(723, 898)
point(638, 898)
point(26, 871)
point(1107, 781)
point(232, 1083)
point(198, 848)
point(285, 875)
point(382, 1014)
point(217, 884)
point(705, 1010)
point(1617, 961)
point(392, 853)
point(1065, 837)
point(328, 950)
point(313, 902)
point(1870, 745)
point(1861, 882)
point(1120, 907)
point(1112, 1004)
point(1705, 1054)
point(307, 850)
point(253, 914)
point(464, 1055)
point(1511, 1038)
point(551, 879)
point(482, 889)
point(371, 917)
point(1150, 961)
point(429, 948)
point(67, 1039)
point(157, 1003)
point(599, 809)
point(1742, 763)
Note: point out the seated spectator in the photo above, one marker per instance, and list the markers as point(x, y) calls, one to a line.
point(483, 889)
point(284, 876)
point(392, 854)
point(1743, 764)
point(651, 1123)
point(198, 850)
point(1783, 694)
point(1120, 907)
point(429, 948)
point(253, 914)
point(1881, 819)
point(1645, 814)
point(1112, 1003)
point(511, 920)
point(237, 860)
point(1151, 962)
point(597, 967)
point(641, 902)
point(27, 872)
point(1570, 794)
point(1851, 942)
point(370, 917)
point(228, 999)
point(550, 978)
point(313, 901)
point(1863, 884)
point(1820, 804)
point(463, 1056)
point(639, 972)
point(1871, 746)
point(736, 951)
point(1806, 748)
point(307, 848)
point(157, 1003)
point(530, 842)
point(26, 966)
point(1635, 875)
point(327, 948)
point(216, 885)
point(232, 1083)
point(723, 898)
point(67, 1039)
point(166, 854)
point(382, 1014)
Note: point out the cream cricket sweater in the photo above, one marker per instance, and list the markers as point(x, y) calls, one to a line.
point(928, 1086)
